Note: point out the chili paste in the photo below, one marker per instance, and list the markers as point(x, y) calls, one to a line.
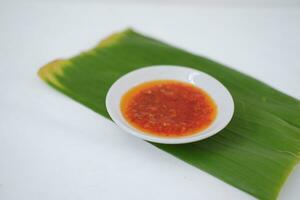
point(168, 108)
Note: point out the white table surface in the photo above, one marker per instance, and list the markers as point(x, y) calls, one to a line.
point(53, 148)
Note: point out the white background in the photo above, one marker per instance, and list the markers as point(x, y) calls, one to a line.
point(52, 148)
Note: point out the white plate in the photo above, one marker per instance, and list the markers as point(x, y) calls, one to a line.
point(214, 88)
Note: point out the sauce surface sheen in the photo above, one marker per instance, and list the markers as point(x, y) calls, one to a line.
point(168, 108)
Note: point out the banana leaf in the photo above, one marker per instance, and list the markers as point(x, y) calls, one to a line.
point(255, 153)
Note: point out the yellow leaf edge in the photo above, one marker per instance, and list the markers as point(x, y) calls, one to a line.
point(51, 70)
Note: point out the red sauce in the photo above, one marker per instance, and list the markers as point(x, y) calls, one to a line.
point(168, 108)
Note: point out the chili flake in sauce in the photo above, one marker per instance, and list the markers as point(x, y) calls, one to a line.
point(168, 108)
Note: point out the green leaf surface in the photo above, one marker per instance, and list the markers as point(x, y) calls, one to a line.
point(255, 153)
